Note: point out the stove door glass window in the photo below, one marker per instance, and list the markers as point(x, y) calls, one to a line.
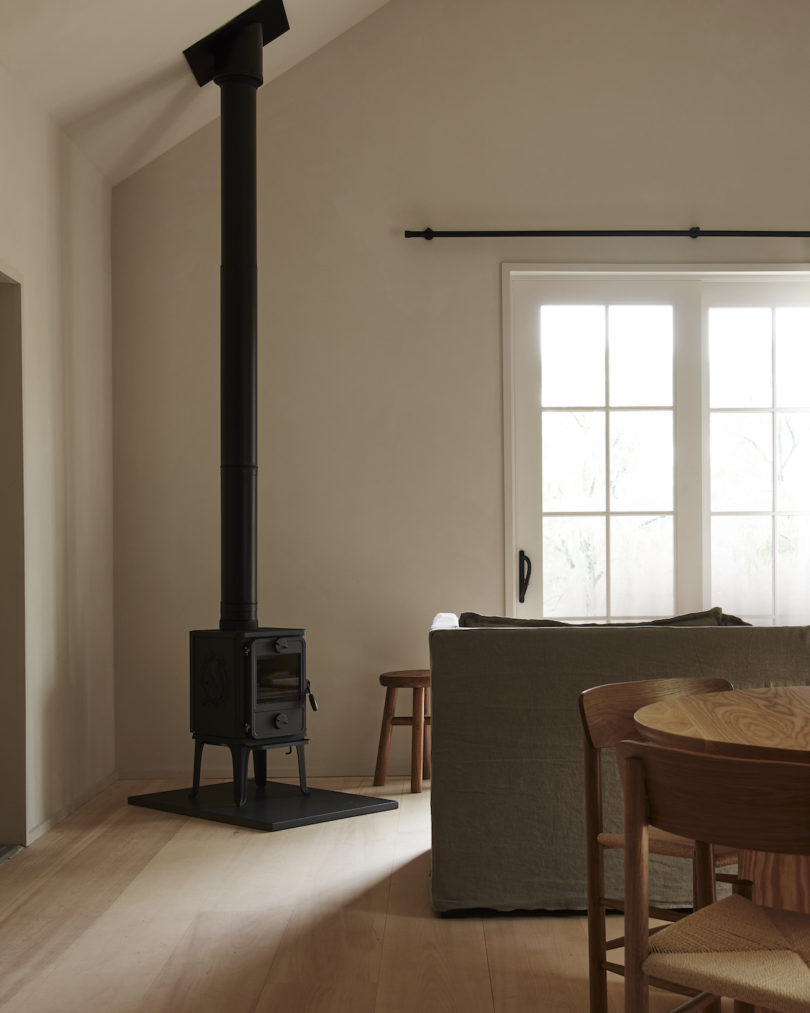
point(278, 678)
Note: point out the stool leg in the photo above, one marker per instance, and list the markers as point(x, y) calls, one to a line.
point(385, 735)
point(426, 748)
point(418, 738)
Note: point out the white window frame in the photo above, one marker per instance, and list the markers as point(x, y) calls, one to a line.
point(692, 517)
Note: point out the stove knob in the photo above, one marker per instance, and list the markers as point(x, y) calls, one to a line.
point(281, 720)
point(282, 645)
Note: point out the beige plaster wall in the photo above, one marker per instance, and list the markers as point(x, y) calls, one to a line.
point(54, 242)
point(380, 445)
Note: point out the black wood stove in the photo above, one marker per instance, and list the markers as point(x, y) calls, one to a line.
point(249, 686)
point(248, 692)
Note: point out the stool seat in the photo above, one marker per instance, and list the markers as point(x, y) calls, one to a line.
point(407, 678)
point(418, 680)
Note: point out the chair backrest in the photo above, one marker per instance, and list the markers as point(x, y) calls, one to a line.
point(607, 711)
point(760, 805)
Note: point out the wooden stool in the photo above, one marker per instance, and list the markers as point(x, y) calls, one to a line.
point(417, 679)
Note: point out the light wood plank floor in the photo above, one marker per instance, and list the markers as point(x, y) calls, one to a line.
point(125, 909)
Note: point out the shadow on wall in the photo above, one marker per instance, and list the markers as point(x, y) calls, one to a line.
point(74, 754)
point(134, 120)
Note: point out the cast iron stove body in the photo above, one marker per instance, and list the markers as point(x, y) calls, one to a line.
point(249, 692)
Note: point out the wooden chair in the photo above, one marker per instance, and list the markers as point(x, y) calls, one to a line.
point(417, 679)
point(607, 718)
point(755, 955)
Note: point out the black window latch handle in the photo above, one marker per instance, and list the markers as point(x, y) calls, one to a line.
point(524, 575)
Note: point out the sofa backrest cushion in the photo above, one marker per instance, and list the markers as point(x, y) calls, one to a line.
point(710, 617)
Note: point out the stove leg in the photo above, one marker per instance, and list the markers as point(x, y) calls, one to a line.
point(195, 786)
point(260, 767)
point(239, 756)
point(302, 770)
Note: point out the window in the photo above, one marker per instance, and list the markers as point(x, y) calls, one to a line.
point(658, 442)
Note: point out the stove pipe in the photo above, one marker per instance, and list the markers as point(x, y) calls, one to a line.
point(238, 81)
point(232, 57)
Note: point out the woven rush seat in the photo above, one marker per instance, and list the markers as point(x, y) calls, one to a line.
point(737, 948)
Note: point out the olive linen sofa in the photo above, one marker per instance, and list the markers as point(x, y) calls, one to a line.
point(507, 781)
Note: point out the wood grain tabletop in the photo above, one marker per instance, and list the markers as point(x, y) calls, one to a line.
point(772, 723)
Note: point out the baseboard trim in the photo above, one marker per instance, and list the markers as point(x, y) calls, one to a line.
point(33, 833)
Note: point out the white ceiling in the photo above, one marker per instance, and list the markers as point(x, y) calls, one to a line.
point(112, 73)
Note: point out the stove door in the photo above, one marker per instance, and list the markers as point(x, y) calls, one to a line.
point(278, 681)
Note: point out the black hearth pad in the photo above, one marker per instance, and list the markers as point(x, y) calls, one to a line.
point(276, 806)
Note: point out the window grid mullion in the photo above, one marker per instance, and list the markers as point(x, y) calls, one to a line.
point(774, 597)
point(608, 602)
point(760, 513)
point(626, 513)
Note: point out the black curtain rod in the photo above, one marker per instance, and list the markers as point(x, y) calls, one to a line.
point(695, 232)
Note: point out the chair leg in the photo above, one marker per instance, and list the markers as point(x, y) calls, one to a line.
point(385, 735)
point(426, 747)
point(704, 892)
point(597, 954)
point(418, 738)
point(595, 869)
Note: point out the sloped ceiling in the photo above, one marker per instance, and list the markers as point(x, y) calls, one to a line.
point(111, 72)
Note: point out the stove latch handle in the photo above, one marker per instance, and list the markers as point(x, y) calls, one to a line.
point(313, 703)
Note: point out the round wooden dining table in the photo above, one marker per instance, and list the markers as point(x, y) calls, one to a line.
point(767, 724)
point(770, 724)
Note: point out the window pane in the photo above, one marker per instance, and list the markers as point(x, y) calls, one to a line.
point(573, 461)
point(641, 460)
point(740, 358)
point(574, 562)
point(742, 578)
point(572, 356)
point(793, 357)
point(641, 566)
point(640, 355)
point(793, 461)
point(793, 570)
point(741, 461)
